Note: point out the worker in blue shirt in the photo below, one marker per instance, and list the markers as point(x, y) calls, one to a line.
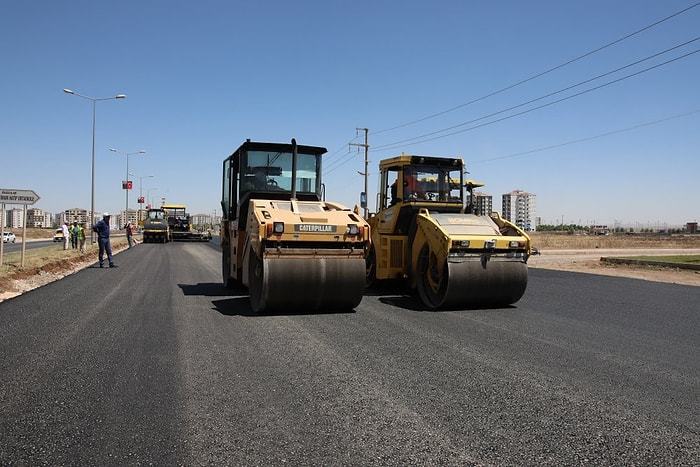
point(102, 229)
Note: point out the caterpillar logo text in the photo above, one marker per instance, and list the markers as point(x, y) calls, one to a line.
point(315, 228)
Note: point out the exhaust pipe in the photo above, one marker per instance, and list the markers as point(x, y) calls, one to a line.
point(294, 169)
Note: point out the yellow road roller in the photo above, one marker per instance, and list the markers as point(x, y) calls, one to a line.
point(279, 238)
point(425, 232)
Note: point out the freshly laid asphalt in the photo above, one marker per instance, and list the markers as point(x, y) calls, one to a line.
point(155, 362)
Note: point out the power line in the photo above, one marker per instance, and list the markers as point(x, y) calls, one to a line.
point(586, 91)
point(589, 138)
point(610, 44)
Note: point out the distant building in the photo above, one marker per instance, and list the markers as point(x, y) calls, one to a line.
point(692, 227)
point(205, 220)
point(519, 208)
point(14, 218)
point(78, 215)
point(599, 229)
point(38, 219)
point(131, 216)
point(483, 203)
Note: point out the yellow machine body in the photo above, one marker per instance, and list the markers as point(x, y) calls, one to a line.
point(425, 234)
point(290, 248)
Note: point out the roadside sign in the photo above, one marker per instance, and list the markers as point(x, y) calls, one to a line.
point(13, 196)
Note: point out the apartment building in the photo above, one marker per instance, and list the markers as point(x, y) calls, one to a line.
point(38, 219)
point(124, 217)
point(519, 207)
point(483, 203)
point(14, 218)
point(81, 216)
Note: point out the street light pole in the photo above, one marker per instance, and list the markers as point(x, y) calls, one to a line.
point(94, 114)
point(126, 181)
point(148, 194)
point(141, 192)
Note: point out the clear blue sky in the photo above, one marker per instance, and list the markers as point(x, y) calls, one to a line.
point(203, 76)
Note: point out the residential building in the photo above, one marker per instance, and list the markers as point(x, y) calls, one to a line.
point(38, 219)
point(483, 203)
point(519, 207)
point(78, 215)
point(14, 218)
point(125, 216)
point(205, 220)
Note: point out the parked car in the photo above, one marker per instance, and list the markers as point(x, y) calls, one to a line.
point(8, 237)
point(58, 236)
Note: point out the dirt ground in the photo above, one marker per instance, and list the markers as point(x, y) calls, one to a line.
point(582, 253)
point(578, 253)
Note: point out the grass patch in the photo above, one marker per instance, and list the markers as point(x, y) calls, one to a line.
point(680, 259)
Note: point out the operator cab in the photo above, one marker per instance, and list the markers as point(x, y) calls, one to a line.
point(410, 183)
point(264, 170)
point(421, 179)
point(156, 214)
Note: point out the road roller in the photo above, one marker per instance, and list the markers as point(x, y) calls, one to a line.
point(281, 240)
point(425, 233)
point(155, 227)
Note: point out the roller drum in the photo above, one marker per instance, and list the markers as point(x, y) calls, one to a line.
point(476, 281)
point(305, 284)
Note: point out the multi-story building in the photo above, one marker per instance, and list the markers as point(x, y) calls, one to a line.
point(38, 219)
point(81, 216)
point(124, 217)
point(205, 220)
point(483, 203)
point(14, 218)
point(519, 208)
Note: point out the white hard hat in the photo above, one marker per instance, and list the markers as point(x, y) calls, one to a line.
point(105, 214)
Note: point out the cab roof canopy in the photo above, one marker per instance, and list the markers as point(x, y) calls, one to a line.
point(279, 147)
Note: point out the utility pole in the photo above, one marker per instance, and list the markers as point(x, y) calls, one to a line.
point(366, 172)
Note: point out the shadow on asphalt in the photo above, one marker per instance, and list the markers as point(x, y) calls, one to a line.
point(238, 304)
point(398, 294)
point(210, 289)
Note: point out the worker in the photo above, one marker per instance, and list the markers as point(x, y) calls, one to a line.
point(102, 228)
point(412, 188)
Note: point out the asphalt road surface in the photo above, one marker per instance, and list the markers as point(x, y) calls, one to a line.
point(154, 362)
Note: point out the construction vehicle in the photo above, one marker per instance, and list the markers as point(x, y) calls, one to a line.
point(280, 239)
point(180, 225)
point(155, 226)
point(424, 233)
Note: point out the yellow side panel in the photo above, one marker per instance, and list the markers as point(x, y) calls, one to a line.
point(391, 257)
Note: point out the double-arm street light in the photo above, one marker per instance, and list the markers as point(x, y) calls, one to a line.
point(92, 188)
point(125, 185)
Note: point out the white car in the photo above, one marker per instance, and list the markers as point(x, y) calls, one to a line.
point(8, 237)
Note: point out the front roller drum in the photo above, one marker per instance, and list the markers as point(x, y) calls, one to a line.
point(305, 284)
point(476, 281)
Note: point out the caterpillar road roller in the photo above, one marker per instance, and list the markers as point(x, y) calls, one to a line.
point(292, 249)
point(424, 233)
point(155, 227)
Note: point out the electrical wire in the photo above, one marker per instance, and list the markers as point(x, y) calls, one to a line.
point(396, 145)
point(589, 138)
point(569, 62)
